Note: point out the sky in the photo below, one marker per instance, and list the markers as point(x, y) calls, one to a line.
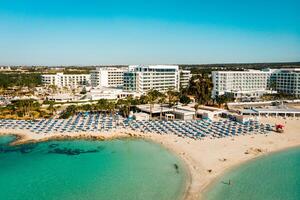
point(102, 32)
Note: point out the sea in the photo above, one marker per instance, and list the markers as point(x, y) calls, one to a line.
point(272, 177)
point(121, 169)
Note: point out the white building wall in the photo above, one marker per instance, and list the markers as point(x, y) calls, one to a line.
point(108, 76)
point(157, 77)
point(240, 81)
point(66, 80)
point(287, 81)
point(184, 78)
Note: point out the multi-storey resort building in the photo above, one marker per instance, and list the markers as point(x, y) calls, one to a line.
point(241, 84)
point(184, 78)
point(108, 76)
point(141, 79)
point(66, 80)
point(286, 81)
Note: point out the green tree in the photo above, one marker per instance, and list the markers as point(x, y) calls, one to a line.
point(69, 111)
point(196, 107)
point(201, 87)
point(102, 104)
point(223, 99)
point(51, 107)
point(124, 105)
point(152, 97)
point(161, 101)
point(19, 79)
point(184, 99)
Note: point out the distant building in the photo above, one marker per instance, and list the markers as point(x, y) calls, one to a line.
point(184, 78)
point(249, 84)
point(142, 78)
point(130, 81)
point(286, 81)
point(66, 80)
point(108, 76)
point(5, 68)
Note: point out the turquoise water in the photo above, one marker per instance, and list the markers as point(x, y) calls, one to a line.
point(89, 170)
point(273, 177)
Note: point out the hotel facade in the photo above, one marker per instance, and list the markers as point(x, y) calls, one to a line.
point(241, 84)
point(66, 80)
point(134, 78)
point(142, 78)
point(254, 83)
point(184, 78)
point(108, 77)
point(286, 81)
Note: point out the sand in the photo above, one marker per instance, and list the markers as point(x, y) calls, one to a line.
point(205, 159)
point(208, 159)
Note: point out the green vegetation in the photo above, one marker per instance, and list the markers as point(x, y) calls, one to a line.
point(184, 99)
point(102, 105)
point(19, 79)
point(278, 96)
point(208, 68)
point(70, 110)
point(201, 88)
point(223, 99)
point(24, 109)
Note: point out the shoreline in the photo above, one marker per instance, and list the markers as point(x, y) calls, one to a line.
point(205, 161)
point(214, 181)
point(236, 150)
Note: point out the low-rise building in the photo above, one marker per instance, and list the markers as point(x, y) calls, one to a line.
point(109, 93)
point(62, 98)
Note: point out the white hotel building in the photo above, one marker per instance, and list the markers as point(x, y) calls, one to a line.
point(66, 80)
point(108, 76)
point(241, 84)
point(135, 78)
point(184, 78)
point(286, 81)
point(140, 78)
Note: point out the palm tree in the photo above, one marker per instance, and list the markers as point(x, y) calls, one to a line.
point(196, 107)
point(51, 107)
point(124, 105)
point(70, 110)
point(111, 107)
point(128, 102)
point(102, 104)
point(173, 98)
point(11, 108)
point(152, 97)
point(161, 101)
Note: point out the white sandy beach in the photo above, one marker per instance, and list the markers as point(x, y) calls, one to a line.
point(205, 159)
point(209, 158)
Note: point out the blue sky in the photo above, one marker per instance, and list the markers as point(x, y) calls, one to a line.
point(73, 32)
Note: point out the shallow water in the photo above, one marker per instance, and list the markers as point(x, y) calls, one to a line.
point(272, 177)
point(89, 170)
